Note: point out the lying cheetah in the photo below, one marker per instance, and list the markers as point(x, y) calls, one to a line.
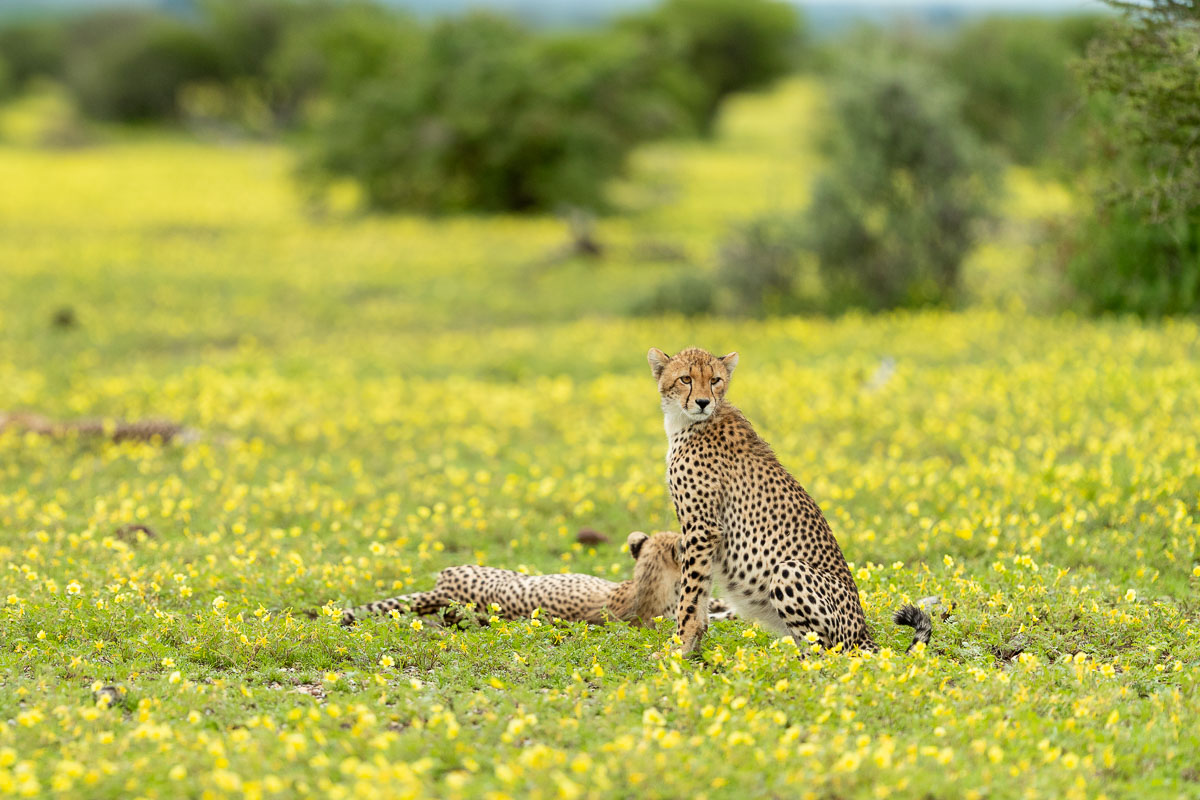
point(746, 518)
point(653, 591)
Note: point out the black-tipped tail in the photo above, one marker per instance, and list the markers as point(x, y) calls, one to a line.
point(419, 603)
point(918, 620)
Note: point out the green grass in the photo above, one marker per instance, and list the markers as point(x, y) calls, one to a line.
point(382, 397)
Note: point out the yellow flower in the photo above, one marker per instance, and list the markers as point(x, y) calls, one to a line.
point(417, 625)
point(386, 661)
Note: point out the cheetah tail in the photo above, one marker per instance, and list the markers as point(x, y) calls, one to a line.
point(419, 603)
point(916, 619)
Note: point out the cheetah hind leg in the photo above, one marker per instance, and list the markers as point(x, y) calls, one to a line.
point(809, 599)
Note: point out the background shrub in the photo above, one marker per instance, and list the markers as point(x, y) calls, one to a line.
point(1123, 264)
point(1020, 92)
point(132, 69)
point(759, 263)
point(691, 295)
point(1141, 250)
point(896, 212)
point(330, 52)
point(32, 49)
point(486, 116)
point(724, 46)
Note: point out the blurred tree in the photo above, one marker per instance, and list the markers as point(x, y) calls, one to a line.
point(1147, 70)
point(32, 49)
point(726, 46)
point(487, 117)
point(331, 51)
point(895, 214)
point(1019, 88)
point(250, 31)
point(134, 72)
point(759, 262)
point(1141, 251)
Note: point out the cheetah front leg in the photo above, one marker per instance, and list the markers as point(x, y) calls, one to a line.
point(810, 599)
point(691, 617)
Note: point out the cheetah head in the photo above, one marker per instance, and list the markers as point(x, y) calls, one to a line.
point(692, 383)
point(657, 574)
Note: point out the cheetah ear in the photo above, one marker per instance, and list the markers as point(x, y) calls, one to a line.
point(730, 361)
point(635, 542)
point(658, 361)
point(679, 551)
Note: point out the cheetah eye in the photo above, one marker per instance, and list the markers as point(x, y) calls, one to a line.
point(715, 381)
point(685, 379)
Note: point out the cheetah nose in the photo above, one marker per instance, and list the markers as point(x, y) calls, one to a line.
point(703, 404)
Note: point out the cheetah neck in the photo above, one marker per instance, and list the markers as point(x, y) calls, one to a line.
point(679, 426)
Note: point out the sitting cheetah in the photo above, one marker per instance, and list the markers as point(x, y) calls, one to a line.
point(653, 591)
point(746, 518)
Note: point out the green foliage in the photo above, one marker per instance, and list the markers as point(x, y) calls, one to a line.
point(250, 31)
point(331, 53)
point(1123, 264)
point(759, 263)
point(136, 74)
point(1141, 253)
point(32, 49)
point(1147, 69)
point(488, 117)
point(726, 46)
point(1019, 90)
point(689, 294)
point(896, 212)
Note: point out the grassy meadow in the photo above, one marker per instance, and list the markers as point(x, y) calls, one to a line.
point(376, 398)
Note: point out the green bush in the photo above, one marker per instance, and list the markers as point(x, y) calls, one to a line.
point(1123, 264)
point(892, 219)
point(1019, 89)
point(689, 295)
point(486, 116)
point(759, 263)
point(251, 31)
point(1141, 251)
point(332, 51)
point(32, 49)
point(726, 46)
point(137, 75)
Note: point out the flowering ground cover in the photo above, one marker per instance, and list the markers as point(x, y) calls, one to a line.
point(375, 399)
